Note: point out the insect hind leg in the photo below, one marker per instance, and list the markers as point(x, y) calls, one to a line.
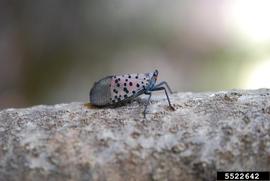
point(166, 84)
point(156, 88)
point(147, 103)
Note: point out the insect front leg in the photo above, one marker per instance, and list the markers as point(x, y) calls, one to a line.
point(163, 88)
point(147, 103)
point(164, 83)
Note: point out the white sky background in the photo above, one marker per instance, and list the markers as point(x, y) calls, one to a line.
point(250, 22)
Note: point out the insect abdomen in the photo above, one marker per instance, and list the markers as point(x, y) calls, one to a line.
point(100, 94)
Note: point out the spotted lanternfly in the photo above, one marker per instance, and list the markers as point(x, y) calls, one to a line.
point(119, 89)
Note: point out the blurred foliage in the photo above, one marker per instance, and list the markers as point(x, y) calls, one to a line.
point(53, 51)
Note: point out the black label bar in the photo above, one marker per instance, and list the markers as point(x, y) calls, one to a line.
point(243, 175)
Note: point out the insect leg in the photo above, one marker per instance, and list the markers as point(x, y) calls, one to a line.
point(163, 88)
point(148, 101)
point(166, 84)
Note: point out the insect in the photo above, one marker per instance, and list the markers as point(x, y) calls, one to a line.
point(119, 89)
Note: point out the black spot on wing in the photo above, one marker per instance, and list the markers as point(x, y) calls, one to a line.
point(115, 91)
point(126, 90)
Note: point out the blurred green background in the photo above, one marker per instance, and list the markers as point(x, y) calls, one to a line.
point(53, 51)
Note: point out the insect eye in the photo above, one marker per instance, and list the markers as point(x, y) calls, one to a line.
point(156, 73)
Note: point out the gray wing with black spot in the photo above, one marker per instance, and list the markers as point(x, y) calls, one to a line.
point(100, 94)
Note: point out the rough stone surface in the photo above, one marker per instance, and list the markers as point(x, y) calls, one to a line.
point(227, 130)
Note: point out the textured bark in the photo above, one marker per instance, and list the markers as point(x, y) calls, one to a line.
point(206, 132)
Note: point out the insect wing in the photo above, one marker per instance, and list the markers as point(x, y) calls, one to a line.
point(126, 86)
point(100, 93)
